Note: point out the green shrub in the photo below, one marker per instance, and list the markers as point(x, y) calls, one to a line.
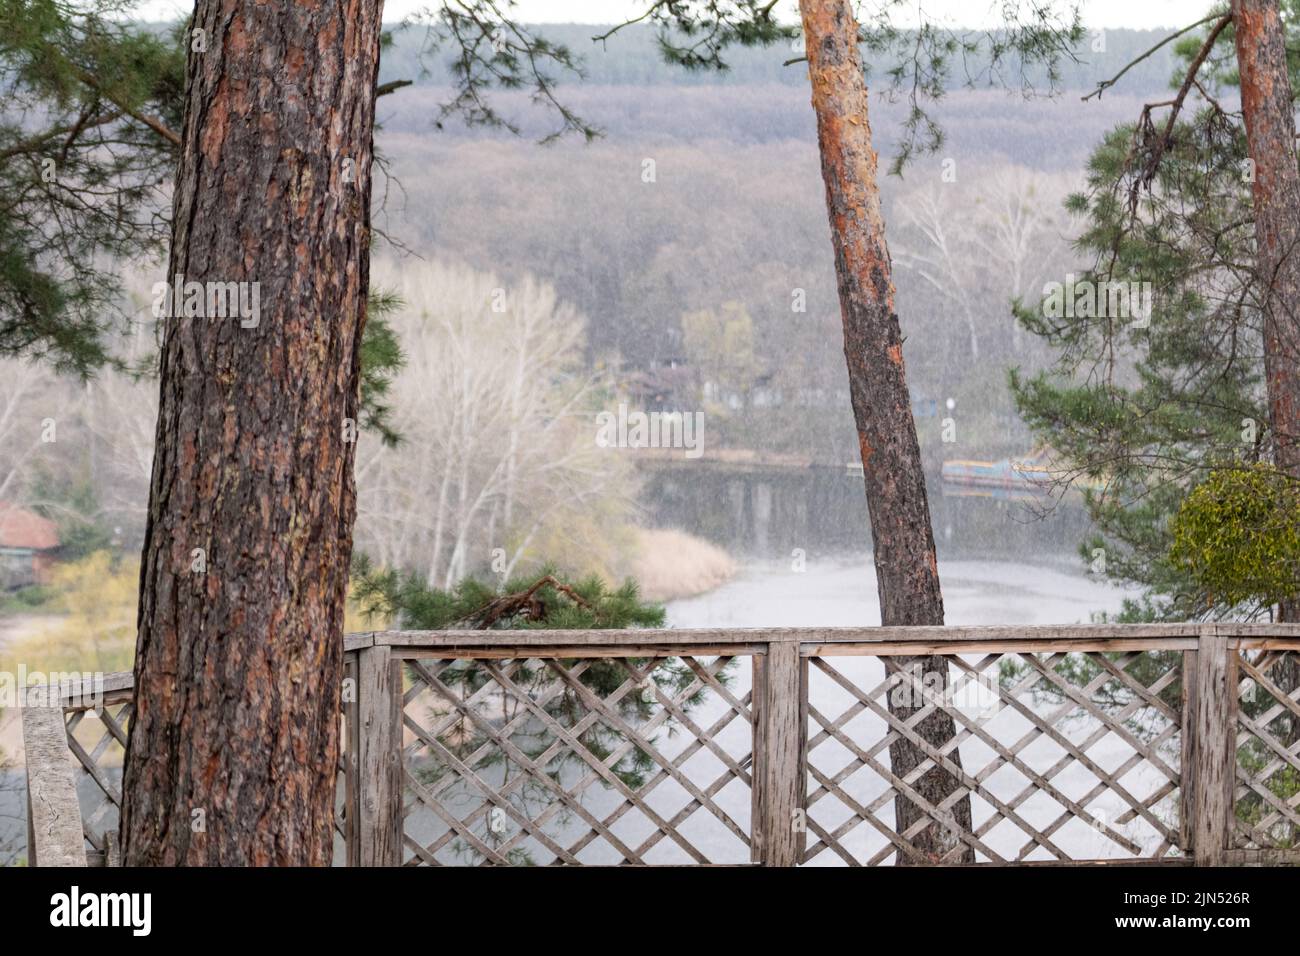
point(1238, 534)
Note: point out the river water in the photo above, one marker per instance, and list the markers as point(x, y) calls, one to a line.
point(841, 592)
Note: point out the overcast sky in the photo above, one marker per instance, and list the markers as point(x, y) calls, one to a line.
point(1097, 13)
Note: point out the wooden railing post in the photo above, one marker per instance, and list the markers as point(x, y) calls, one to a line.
point(54, 830)
point(379, 758)
point(780, 695)
point(1213, 747)
point(1187, 755)
point(349, 745)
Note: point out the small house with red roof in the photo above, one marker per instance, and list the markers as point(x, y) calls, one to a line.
point(28, 547)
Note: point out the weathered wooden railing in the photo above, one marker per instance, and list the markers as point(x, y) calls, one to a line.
point(1138, 743)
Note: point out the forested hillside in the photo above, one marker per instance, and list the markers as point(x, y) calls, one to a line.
point(732, 225)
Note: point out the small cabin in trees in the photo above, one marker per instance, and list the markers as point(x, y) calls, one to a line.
point(28, 547)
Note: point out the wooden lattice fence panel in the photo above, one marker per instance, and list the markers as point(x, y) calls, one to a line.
point(97, 739)
point(97, 736)
point(1267, 792)
point(1066, 756)
point(564, 761)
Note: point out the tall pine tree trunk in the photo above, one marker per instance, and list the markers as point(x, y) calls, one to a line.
point(234, 744)
point(1267, 109)
point(907, 576)
point(1270, 139)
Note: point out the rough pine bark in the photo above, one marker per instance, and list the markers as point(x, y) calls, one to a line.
point(234, 744)
point(907, 575)
point(1266, 106)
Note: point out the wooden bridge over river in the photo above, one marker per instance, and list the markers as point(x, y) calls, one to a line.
point(1157, 744)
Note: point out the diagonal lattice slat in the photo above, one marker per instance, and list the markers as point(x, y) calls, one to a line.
point(1267, 793)
point(548, 760)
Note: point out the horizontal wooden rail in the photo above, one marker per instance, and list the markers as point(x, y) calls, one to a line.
point(871, 639)
point(814, 641)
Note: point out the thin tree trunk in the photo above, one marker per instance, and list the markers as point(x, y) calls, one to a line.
point(435, 561)
point(907, 576)
point(233, 749)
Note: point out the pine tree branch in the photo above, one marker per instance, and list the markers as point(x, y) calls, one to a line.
point(1104, 85)
point(602, 37)
point(155, 124)
point(1176, 107)
point(36, 143)
point(510, 605)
